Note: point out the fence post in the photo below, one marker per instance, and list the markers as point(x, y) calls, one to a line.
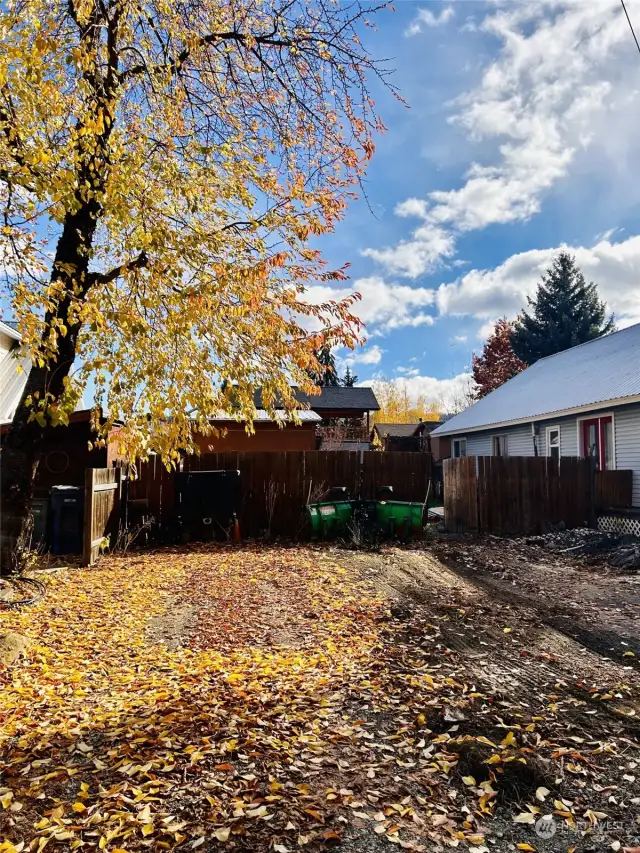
point(593, 519)
point(87, 550)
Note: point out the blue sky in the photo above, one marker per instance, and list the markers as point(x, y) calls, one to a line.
point(520, 137)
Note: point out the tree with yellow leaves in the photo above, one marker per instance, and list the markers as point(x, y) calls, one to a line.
point(397, 406)
point(163, 167)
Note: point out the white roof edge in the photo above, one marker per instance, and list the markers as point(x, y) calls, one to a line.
point(10, 332)
point(281, 416)
point(544, 416)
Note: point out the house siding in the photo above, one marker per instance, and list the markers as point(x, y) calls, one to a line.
point(478, 443)
point(627, 439)
point(627, 433)
point(12, 380)
point(520, 441)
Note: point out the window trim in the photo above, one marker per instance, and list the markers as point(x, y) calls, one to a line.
point(453, 442)
point(547, 442)
point(591, 417)
point(505, 436)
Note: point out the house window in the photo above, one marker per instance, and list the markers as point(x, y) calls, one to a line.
point(459, 447)
point(597, 440)
point(553, 442)
point(500, 445)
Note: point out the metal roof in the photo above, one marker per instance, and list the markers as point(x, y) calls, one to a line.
point(304, 415)
point(598, 372)
point(332, 398)
point(397, 430)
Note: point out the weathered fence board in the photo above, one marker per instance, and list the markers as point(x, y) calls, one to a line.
point(460, 495)
point(102, 509)
point(276, 486)
point(521, 495)
point(614, 489)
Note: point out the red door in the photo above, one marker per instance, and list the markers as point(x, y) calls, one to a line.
point(597, 440)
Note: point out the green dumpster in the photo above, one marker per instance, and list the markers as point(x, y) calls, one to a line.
point(330, 519)
point(399, 519)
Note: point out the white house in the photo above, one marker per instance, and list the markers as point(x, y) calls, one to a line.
point(13, 372)
point(580, 402)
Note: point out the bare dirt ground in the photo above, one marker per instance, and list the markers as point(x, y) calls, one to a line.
point(582, 596)
point(263, 698)
point(546, 637)
point(541, 632)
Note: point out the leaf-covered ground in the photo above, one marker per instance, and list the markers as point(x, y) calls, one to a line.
point(259, 699)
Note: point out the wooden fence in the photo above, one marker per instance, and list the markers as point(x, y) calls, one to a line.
point(613, 489)
point(520, 495)
point(460, 495)
point(285, 481)
point(101, 509)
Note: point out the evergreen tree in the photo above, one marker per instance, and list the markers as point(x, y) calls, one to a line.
point(326, 375)
point(566, 311)
point(498, 362)
point(349, 379)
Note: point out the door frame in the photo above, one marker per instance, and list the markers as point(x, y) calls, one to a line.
point(592, 417)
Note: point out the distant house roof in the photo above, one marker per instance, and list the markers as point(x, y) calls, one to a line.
point(261, 416)
point(397, 430)
point(606, 370)
point(334, 398)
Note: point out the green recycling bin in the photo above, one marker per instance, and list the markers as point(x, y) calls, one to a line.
point(399, 519)
point(330, 519)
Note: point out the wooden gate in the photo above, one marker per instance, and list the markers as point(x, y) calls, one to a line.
point(101, 510)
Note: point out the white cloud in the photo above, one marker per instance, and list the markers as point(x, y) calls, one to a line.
point(426, 18)
point(491, 293)
point(371, 355)
point(385, 305)
point(548, 95)
point(414, 257)
point(487, 294)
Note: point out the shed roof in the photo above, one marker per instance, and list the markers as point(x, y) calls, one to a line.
point(262, 416)
point(397, 430)
point(334, 398)
point(606, 370)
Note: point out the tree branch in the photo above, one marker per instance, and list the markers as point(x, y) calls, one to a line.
point(175, 64)
point(106, 277)
point(14, 143)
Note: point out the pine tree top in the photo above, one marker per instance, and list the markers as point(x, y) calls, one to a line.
point(565, 311)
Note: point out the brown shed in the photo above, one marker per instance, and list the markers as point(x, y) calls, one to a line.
point(269, 434)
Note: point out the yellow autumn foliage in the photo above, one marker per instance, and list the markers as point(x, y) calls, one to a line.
point(165, 172)
point(397, 406)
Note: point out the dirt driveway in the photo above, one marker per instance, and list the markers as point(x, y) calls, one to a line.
point(514, 641)
point(263, 698)
point(583, 597)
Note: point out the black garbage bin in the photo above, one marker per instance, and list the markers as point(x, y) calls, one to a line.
point(67, 512)
point(208, 503)
point(40, 513)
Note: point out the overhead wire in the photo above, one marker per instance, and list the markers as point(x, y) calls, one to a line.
point(633, 33)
